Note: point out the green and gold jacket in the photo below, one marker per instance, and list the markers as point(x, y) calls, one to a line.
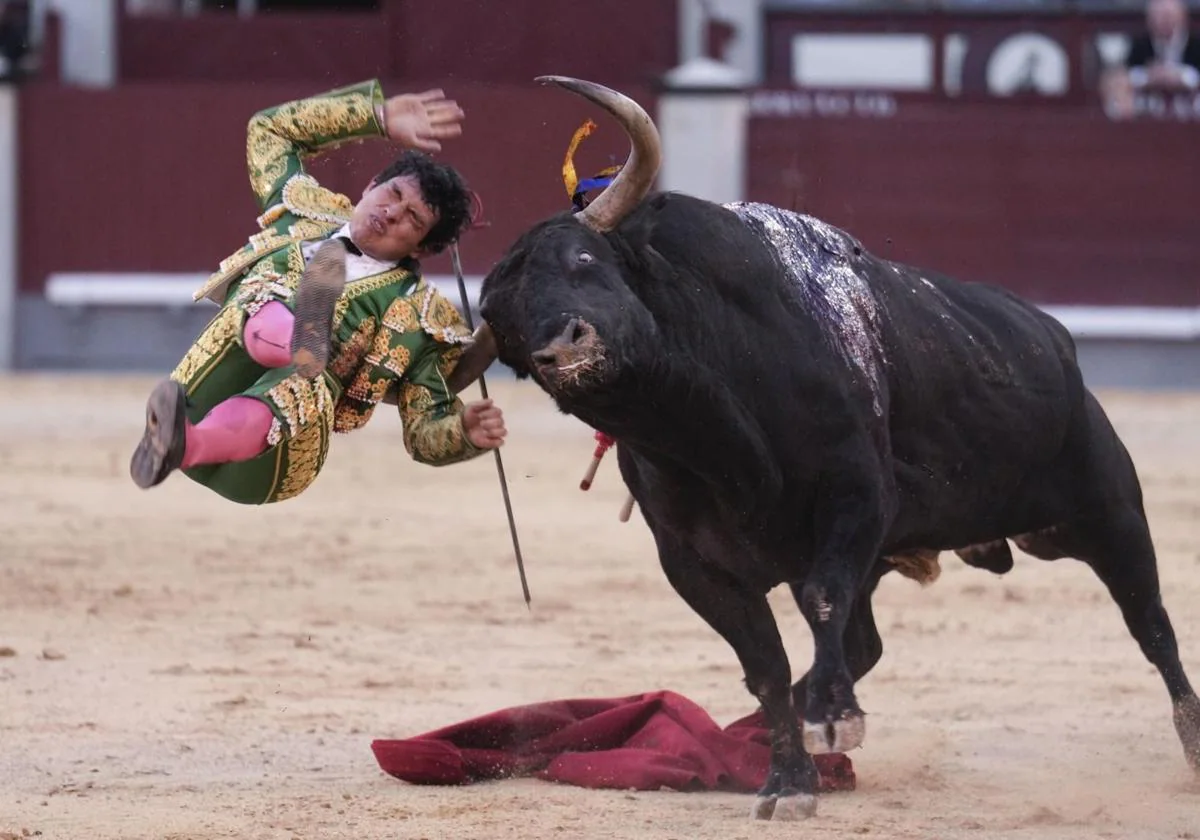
point(396, 338)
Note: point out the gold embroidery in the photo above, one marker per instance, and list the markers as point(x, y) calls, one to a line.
point(347, 418)
point(415, 399)
point(295, 263)
point(306, 454)
point(209, 348)
point(339, 311)
point(305, 197)
point(214, 287)
point(433, 441)
point(277, 138)
point(370, 384)
point(353, 349)
point(303, 229)
point(397, 360)
point(401, 317)
point(448, 360)
point(365, 286)
point(301, 402)
point(273, 214)
point(379, 347)
point(332, 117)
point(266, 240)
point(261, 285)
point(441, 320)
point(266, 155)
point(379, 388)
point(360, 388)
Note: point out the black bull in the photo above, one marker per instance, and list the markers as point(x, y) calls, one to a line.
point(791, 409)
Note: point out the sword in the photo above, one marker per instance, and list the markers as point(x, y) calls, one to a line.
point(512, 525)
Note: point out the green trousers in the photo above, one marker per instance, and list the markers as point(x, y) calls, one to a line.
point(217, 367)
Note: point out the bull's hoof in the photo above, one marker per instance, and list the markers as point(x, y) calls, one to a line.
point(837, 736)
point(763, 807)
point(788, 805)
point(1187, 724)
point(790, 790)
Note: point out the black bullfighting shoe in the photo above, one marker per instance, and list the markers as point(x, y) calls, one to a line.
point(160, 451)
point(316, 298)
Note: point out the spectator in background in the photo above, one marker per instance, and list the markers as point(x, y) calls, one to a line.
point(1166, 56)
point(14, 38)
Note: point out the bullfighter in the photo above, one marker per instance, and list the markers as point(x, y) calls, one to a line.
point(324, 312)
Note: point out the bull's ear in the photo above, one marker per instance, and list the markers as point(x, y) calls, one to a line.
point(478, 356)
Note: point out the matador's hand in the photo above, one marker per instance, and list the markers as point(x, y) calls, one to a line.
point(484, 424)
point(422, 120)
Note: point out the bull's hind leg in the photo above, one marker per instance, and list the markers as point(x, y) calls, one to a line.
point(1117, 546)
point(744, 619)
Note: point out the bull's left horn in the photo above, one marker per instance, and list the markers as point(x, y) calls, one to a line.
point(636, 178)
point(476, 359)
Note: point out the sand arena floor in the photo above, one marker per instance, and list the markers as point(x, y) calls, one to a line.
point(179, 667)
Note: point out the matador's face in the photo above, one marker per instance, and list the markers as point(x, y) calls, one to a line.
point(1165, 17)
point(392, 219)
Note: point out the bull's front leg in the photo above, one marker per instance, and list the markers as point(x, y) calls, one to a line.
point(743, 618)
point(861, 641)
point(852, 523)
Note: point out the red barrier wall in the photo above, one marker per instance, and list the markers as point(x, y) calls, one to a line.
point(152, 177)
point(618, 42)
point(224, 47)
point(1059, 204)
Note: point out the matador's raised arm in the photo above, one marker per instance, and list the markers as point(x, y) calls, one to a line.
point(278, 139)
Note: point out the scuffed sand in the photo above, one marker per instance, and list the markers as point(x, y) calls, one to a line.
point(180, 667)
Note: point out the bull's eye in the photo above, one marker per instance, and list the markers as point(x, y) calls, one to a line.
point(585, 257)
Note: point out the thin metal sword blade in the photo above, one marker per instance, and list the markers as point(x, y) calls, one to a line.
point(512, 525)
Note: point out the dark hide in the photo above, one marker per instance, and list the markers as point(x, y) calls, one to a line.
point(792, 409)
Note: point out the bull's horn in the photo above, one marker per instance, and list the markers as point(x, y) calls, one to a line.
point(636, 178)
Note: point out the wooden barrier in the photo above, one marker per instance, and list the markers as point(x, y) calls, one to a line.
point(1058, 203)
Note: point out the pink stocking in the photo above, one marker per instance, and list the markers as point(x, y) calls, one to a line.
point(268, 335)
point(235, 430)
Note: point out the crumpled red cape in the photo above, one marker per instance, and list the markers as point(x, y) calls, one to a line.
point(641, 742)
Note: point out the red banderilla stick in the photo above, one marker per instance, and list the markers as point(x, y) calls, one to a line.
point(603, 443)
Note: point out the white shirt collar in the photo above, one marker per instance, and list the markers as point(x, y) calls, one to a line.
point(357, 266)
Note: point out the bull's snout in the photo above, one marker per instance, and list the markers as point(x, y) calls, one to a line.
point(575, 332)
point(575, 351)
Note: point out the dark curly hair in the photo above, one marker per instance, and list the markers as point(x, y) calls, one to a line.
point(443, 190)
